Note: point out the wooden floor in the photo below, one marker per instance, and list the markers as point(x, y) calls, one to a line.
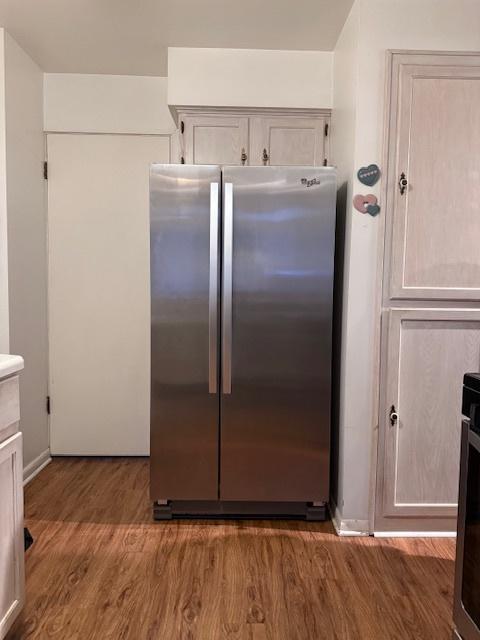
point(100, 568)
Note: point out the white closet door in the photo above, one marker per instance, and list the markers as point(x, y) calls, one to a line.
point(99, 310)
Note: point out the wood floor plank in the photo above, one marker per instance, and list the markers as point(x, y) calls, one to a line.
point(100, 568)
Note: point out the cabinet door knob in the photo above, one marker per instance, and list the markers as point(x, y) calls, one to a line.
point(393, 415)
point(244, 156)
point(265, 157)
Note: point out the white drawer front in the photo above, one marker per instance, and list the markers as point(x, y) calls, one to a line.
point(9, 406)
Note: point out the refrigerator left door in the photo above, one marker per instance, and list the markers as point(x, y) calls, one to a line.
point(184, 277)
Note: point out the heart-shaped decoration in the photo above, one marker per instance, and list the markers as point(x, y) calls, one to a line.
point(362, 202)
point(369, 175)
point(373, 209)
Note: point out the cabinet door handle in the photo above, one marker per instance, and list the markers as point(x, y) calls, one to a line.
point(402, 183)
point(265, 157)
point(244, 156)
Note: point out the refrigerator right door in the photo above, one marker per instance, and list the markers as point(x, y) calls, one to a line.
point(278, 242)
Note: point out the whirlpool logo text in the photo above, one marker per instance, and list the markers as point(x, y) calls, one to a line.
point(310, 183)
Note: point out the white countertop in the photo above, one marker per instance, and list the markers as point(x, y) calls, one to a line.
point(10, 364)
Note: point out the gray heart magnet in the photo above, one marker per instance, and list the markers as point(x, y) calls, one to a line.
point(369, 175)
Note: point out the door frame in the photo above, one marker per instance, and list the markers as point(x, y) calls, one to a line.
point(393, 60)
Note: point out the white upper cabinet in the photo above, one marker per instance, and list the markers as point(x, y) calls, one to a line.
point(254, 137)
point(435, 186)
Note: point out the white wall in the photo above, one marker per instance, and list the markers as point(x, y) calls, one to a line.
point(4, 323)
point(382, 25)
point(350, 498)
point(106, 104)
point(27, 236)
point(249, 78)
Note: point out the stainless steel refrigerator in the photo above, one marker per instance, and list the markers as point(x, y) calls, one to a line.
point(241, 339)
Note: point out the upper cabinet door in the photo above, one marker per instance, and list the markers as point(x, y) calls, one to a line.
point(434, 179)
point(216, 140)
point(288, 141)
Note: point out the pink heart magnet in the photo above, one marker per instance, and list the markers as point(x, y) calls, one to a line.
point(362, 202)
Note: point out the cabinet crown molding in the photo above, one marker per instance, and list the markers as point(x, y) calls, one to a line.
point(186, 110)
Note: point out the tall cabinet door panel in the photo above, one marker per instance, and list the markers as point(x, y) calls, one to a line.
point(216, 140)
point(436, 209)
point(11, 532)
point(184, 229)
point(428, 352)
point(278, 226)
point(287, 141)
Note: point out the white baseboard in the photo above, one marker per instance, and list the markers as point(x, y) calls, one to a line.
point(415, 534)
point(346, 527)
point(35, 466)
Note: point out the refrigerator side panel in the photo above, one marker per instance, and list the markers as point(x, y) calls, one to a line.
point(184, 229)
point(275, 433)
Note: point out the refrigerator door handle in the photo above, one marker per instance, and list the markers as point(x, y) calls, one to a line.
point(213, 290)
point(227, 289)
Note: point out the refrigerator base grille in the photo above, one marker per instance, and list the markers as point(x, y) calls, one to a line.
point(224, 510)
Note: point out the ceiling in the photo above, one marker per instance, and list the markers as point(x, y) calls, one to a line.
point(131, 36)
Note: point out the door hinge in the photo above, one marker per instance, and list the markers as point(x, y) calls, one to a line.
point(325, 130)
point(49, 406)
point(182, 126)
point(45, 170)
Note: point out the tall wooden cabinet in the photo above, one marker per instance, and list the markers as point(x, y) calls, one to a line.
point(431, 297)
point(253, 136)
